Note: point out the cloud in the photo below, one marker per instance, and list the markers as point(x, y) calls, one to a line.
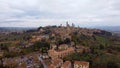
point(17, 13)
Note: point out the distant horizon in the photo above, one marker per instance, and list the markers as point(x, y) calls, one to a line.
point(107, 28)
point(96, 27)
point(56, 25)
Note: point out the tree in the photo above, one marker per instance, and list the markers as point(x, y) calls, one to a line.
point(112, 64)
point(67, 41)
point(41, 46)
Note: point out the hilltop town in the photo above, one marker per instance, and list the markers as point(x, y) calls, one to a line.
point(60, 47)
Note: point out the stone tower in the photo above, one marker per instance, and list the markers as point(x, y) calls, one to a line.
point(73, 25)
point(67, 25)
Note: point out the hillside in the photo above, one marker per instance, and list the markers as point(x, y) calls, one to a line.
point(98, 47)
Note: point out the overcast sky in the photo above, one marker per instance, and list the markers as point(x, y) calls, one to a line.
point(34, 13)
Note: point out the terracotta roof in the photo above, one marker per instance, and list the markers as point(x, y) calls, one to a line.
point(51, 66)
point(56, 61)
point(68, 50)
point(65, 65)
point(82, 63)
point(63, 45)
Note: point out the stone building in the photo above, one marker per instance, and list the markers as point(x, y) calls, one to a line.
point(81, 64)
point(60, 54)
point(56, 63)
point(63, 47)
point(66, 64)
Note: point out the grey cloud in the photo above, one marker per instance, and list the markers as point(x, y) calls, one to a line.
point(84, 12)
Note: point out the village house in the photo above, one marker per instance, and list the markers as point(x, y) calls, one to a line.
point(1, 53)
point(81, 64)
point(45, 36)
point(25, 61)
point(45, 56)
point(22, 65)
point(87, 50)
point(66, 64)
point(63, 47)
point(81, 49)
point(35, 38)
point(14, 49)
point(51, 66)
point(28, 44)
point(53, 46)
point(72, 43)
point(10, 62)
point(56, 63)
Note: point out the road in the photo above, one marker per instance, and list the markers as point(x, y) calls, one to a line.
point(45, 66)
